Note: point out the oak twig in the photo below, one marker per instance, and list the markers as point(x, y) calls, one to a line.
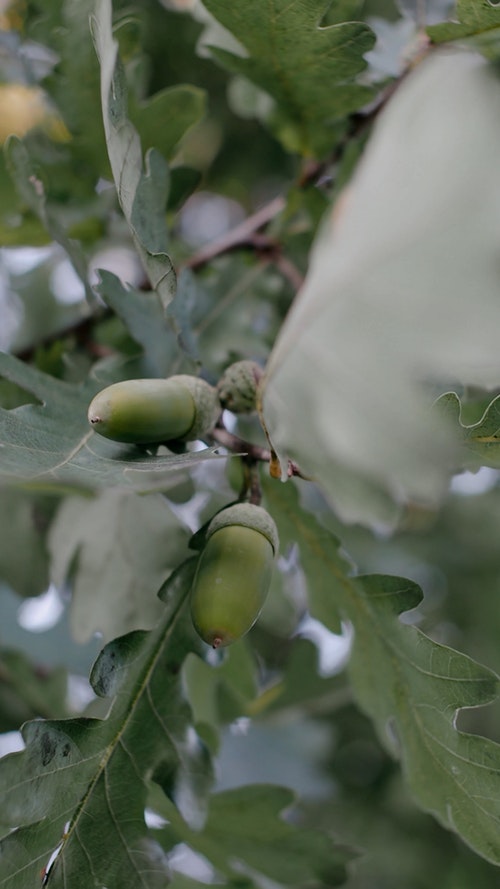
point(240, 236)
point(252, 452)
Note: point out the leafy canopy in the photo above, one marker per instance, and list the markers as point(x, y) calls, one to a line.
point(398, 306)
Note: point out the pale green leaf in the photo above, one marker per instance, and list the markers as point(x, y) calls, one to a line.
point(411, 686)
point(24, 563)
point(142, 188)
point(385, 320)
point(310, 71)
point(91, 774)
point(51, 443)
point(124, 546)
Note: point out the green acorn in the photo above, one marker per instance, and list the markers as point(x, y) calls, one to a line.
point(180, 408)
point(238, 386)
point(234, 573)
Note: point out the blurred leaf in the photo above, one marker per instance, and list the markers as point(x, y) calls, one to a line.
point(219, 694)
point(180, 881)
point(55, 46)
point(142, 192)
point(233, 313)
point(301, 688)
point(437, 11)
point(41, 315)
point(165, 118)
point(477, 20)
point(51, 648)
point(308, 70)
point(31, 188)
point(52, 443)
point(245, 834)
point(410, 686)
point(24, 562)
point(145, 319)
point(28, 692)
point(120, 543)
point(481, 440)
point(227, 313)
point(64, 27)
point(183, 182)
point(91, 773)
point(385, 319)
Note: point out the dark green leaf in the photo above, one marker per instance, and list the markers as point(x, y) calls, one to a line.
point(91, 773)
point(410, 686)
point(308, 70)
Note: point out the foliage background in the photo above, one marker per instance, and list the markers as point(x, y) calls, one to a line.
point(280, 709)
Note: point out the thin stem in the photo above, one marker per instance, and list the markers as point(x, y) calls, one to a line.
point(252, 452)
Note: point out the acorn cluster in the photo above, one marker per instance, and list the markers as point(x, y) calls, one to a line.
point(180, 408)
point(235, 566)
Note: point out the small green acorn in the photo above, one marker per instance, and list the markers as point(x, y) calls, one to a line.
point(234, 573)
point(180, 408)
point(238, 386)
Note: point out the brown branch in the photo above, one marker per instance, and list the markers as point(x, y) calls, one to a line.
point(289, 271)
point(253, 452)
point(241, 236)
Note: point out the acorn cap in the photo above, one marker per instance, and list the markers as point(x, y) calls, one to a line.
point(206, 402)
point(238, 386)
point(249, 515)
